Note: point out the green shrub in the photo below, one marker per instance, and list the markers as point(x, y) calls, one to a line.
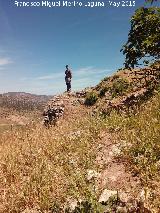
point(103, 91)
point(115, 77)
point(119, 87)
point(91, 98)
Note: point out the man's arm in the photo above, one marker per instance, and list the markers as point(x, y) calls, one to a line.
point(70, 73)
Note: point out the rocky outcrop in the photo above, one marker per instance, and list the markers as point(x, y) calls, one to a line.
point(61, 103)
point(53, 111)
point(127, 103)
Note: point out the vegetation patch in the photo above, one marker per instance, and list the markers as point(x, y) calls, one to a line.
point(41, 168)
point(119, 87)
point(140, 137)
point(103, 91)
point(91, 98)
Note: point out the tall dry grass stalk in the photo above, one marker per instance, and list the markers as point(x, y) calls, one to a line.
point(41, 167)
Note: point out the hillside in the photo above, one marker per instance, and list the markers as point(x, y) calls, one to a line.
point(21, 101)
point(102, 156)
point(20, 108)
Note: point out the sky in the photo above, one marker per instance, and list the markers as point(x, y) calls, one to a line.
point(37, 40)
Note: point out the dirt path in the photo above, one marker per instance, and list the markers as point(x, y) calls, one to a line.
point(113, 175)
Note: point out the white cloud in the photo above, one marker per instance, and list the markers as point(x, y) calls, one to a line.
point(2, 68)
point(51, 76)
point(5, 61)
point(90, 72)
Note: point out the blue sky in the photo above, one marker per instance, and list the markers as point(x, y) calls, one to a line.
point(37, 42)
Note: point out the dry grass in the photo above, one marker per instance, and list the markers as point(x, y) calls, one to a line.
point(140, 137)
point(42, 168)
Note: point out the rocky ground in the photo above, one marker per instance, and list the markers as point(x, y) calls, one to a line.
point(117, 188)
point(113, 177)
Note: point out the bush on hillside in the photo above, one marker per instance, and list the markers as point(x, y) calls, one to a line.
point(119, 87)
point(103, 91)
point(115, 77)
point(91, 98)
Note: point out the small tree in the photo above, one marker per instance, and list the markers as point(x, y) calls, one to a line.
point(144, 36)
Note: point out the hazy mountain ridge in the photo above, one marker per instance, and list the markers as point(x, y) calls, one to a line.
point(23, 101)
point(20, 108)
point(24, 95)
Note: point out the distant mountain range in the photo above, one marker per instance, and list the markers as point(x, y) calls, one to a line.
point(23, 101)
point(26, 95)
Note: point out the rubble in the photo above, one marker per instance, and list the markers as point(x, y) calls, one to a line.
point(106, 194)
point(56, 106)
point(92, 174)
point(53, 111)
point(127, 103)
point(80, 94)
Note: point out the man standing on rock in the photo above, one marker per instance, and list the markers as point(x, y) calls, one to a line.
point(68, 77)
